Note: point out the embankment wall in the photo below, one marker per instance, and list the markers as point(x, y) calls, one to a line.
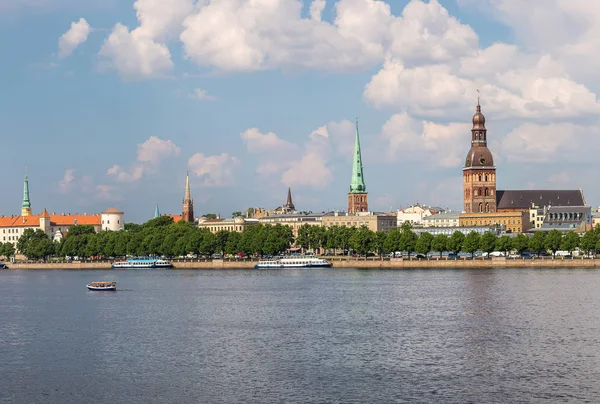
point(397, 263)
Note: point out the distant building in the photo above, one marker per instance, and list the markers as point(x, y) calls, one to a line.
point(568, 218)
point(484, 204)
point(238, 224)
point(449, 231)
point(595, 219)
point(295, 221)
point(373, 220)
point(415, 214)
point(358, 199)
point(445, 219)
point(514, 222)
point(55, 225)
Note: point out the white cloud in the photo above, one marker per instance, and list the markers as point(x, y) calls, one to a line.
point(214, 171)
point(548, 143)
point(308, 164)
point(431, 144)
point(201, 95)
point(75, 36)
point(135, 56)
point(316, 9)
point(257, 142)
point(149, 155)
point(67, 181)
point(311, 170)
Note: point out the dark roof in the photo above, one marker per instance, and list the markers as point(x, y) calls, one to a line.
point(524, 199)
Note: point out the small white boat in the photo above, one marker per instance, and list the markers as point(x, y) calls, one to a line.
point(111, 286)
point(143, 263)
point(294, 262)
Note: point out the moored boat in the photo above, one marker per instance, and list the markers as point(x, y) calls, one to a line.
point(294, 262)
point(110, 286)
point(143, 263)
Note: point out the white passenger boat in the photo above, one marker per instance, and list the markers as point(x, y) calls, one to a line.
point(109, 286)
point(143, 263)
point(294, 262)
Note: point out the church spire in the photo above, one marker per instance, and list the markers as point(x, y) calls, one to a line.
point(357, 197)
point(188, 203)
point(156, 212)
point(289, 204)
point(26, 205)
point(358, 180)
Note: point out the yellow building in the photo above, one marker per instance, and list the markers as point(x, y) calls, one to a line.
point(295, 221)
point(515, 222)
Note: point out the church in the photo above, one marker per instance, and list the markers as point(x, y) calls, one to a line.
point(484, 205)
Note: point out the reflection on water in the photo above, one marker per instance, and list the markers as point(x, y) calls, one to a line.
point(300, 336)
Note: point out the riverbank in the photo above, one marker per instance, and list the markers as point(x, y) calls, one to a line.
point(395, 263)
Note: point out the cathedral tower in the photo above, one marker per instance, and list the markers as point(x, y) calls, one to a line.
point(357, 197)
point(188, 203)
point(479, 173)
point(26, 205)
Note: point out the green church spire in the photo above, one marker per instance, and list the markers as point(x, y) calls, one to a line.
point(26, 202)
point(358, 180)
point(156, 212)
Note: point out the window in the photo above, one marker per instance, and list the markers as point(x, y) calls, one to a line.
point(108, 222)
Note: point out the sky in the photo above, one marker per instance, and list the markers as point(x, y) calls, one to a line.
point(110, 103)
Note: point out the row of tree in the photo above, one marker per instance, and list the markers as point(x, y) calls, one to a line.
point(162, 237)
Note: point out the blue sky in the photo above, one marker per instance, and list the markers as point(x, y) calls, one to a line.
point(110, 103)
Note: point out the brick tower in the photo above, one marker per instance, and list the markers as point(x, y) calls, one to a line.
point(188, 203)
point(479, 173)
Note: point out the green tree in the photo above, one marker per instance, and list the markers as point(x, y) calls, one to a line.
point(392, 241)
point(588, 242)
point(553, 241)
point(210, 215)
point(362, 240)
point(537, 243)
point(487, 243)
point(455, 242)
point(236, 214)
point(439, 243)
point(379, 242)
point(207, 243)
point(570, 242)
point(504, 244)
point(471, 243)
point(221, 238)
point(303, 240)
point(232, 246)
point(24, 240)
point(520, 243)
point(133, 227)
point(408, 241)
point(8, 250)
point(423, 245)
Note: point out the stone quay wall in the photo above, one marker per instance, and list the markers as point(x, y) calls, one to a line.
point(394, 263)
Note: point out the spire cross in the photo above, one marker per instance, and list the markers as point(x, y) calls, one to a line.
point(478, 96)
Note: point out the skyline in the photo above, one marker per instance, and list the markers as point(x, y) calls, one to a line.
point(160, 95)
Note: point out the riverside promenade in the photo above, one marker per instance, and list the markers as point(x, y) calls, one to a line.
point(371, 263)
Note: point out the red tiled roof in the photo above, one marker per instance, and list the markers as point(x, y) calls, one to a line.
point(55, 220)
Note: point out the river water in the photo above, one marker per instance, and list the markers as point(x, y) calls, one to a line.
point(301, 336)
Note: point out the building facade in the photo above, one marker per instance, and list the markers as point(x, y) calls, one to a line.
point(295, 221)
point(512, 222)
point(374, 221)
point(238, 224)
point(414, 214)
point(568, 218)
point(445, 219)
point(358, 199)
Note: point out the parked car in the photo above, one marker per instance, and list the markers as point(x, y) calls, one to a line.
point(452, 256)
point(527, 255)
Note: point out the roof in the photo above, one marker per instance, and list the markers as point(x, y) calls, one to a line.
point(114, 210)
point(524, 199)
point(55, 220)
point(570, 209)
point(176, 218)
point(444, 215)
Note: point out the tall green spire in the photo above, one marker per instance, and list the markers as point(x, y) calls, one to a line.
point(156, 212)
point(357, 186)
point(26, 202)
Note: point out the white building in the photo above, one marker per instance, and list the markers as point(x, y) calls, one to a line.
point(113, 219)
point(446, 219)
point(415, 214)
